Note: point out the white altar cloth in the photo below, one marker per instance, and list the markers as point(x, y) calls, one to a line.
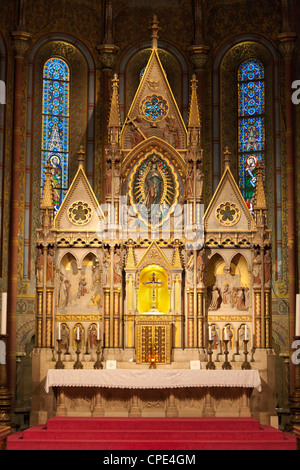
point(152, 378)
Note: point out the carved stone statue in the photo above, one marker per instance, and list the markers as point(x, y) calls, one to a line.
point(257, 269)
point(215, 299)
point(40, 267)
point(267, 268)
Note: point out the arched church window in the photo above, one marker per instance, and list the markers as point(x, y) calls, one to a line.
point(251, 126)
point(55, 116)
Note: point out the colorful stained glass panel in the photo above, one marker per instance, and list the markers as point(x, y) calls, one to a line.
point(55, 137)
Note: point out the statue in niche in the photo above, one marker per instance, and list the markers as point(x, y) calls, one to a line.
point(190, 268)
point(65, 337)
point(50, 265)
point(117, 180)
point(234, 297)
point(267, 268)
point(92, 336)
point(215, 299)
point(154, 183)
point(171, 132)
point(200, 267)
point(105, 265)
point(214, 337)
point(247, 298)
point(117, 266)
point(257, 269)
point(40, 267)
point(229, 334)
point(108, 179)
point(190, 182)
point(64, 292)
point(198, 182)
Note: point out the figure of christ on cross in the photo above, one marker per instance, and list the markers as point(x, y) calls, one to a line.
point(154, 284)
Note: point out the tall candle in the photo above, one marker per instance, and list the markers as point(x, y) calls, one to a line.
point(209, 331)
point(59, 332)
point(226, 337)
point(4, 313)
point(77, 332)
point(297, 315)
point(98, 332)
point(246, 333)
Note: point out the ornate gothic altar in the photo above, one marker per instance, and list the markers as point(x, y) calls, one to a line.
point(149, 273)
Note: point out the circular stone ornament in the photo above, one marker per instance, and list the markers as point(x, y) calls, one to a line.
point(80, 213)
point(228, 214)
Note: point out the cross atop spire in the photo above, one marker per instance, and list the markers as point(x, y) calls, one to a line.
point(155, 30)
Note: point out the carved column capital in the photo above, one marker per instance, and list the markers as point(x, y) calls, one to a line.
point(199, 56)
point(108, 54)
point(287, 44)
point(21, 43)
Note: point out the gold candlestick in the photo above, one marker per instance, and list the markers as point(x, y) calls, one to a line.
point(210, 365)
point(246, 365)
point(78, 363)
point(98, 364)
point(226, 364)
point(59, 364)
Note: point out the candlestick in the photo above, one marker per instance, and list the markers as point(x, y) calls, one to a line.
point(226, 364)
point(78, 363)
point(210, 365)
point(246, 365)
point(59, 364)
point(98, 364)
point(4, 313)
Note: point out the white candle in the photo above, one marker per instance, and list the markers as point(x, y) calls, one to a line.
point(209, 330)
point(4, 313)
point(297, 315)
point(77, 332)
point(59, 332)
point(246, 333)
point(226, 337)
point(98, 332)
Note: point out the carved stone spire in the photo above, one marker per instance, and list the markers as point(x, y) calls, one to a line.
point(81, 157)
point(260, 204)
point(227, 155)
point(154, 32)
point(194, 124)
point(114, 121)
point(47, 197)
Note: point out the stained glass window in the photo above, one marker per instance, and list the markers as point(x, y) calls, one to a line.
point(55, 115)
point(251, 126)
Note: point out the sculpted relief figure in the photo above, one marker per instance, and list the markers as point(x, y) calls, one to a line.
point(267, 268)
point(40, 267)
point(171, 132)
point(215, 299)
point(200, 267)
point(257, 269)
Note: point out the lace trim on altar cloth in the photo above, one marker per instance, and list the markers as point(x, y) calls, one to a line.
point(152, 379)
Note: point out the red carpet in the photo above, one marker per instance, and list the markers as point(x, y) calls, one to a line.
point(151, 434)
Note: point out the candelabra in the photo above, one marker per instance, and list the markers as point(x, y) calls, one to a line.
point(226, 364)
point(78, 363)
point(59, 364)
point(210, 365)
point(5, 396)
point(246, 365)
point(98, 364)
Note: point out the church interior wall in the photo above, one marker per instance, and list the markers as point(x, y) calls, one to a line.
point(223, 24)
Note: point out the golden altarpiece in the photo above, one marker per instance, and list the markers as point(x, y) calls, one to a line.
point(149, 272)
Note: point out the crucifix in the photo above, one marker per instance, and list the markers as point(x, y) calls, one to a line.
point(154, 284)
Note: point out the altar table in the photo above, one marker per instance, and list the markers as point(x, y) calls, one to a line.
point(152, 379)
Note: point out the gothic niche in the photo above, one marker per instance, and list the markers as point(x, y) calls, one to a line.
point(228, 287)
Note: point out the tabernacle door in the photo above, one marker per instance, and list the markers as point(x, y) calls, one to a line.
point(153, 339)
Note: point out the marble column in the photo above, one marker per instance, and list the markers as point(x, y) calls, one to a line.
point(20, 46)
point(287, 44)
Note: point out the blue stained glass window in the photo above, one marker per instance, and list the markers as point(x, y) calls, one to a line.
point(55, 138)
point(251, 126)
